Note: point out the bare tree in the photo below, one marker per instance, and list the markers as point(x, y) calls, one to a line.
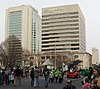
point(11, 51)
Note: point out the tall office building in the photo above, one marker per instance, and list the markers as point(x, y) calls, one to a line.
point(25, 23)
point(63, 29)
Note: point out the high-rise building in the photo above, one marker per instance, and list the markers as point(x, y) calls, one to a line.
point(95, 56)
point(24, 23)
point(63, 29)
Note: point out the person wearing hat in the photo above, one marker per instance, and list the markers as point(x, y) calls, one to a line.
point(69, 85)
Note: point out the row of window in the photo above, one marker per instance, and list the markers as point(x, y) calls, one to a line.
point(15, 20)
point(47, 38)
point(14, 27)
point(60, 14)
point(61, 49)
point(77, 32)
point(75, 28)
point(17, 32)
point(15, 13)
point(45, 46)
point(74, 36)
point(77, 40)
point(16, 23)
point(15, 17)
point(77, 24)
point(60, 18)
point(59, 22)
point(56, 49)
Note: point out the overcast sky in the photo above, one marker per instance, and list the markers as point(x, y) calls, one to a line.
point(90, 9)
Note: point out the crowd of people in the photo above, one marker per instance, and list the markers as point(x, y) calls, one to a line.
point(91, 78)
point(10, 76)
point(50, 75)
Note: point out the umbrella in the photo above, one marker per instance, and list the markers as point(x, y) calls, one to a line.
point(48, 62)
point(76, 62)
point(73, 63)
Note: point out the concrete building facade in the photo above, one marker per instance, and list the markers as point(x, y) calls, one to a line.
point(67, 57)
point(95, 56)
point(25, 23)
point(63, 29)
point(86, 59)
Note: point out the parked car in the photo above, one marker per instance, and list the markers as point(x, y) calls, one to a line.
point(73, 74)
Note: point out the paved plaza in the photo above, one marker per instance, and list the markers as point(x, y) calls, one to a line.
point(26, 84)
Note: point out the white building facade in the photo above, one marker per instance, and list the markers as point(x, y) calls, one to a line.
point(25, 23)
point(63, 29)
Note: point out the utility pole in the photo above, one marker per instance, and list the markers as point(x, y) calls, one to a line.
point(38, 55)
point(55, 54)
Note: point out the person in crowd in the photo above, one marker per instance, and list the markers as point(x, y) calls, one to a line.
point(36, 76)
point(22, 72)
point(1, 77)
point(11, 76)
point(26, 73)
point(4, 77)
point(71, 69)
point(96, 75)
point(56, 75)
point(93, 84)
point(53, 71)
point(32, 76)
point(90, 73)
point(60, 75)
point(69, 85)
point(7, 72)
point(98, 83)
point(51, 76)
point(46, 75)
point(18, 74)
point(86, 83)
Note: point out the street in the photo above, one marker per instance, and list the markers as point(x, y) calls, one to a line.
point(26, 84)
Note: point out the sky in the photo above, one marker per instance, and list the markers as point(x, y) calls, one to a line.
point(90, 9)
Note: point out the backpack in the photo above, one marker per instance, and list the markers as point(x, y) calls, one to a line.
point(36, 73)
point(46, 72)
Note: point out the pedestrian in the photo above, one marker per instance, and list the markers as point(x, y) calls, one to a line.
point(46, 75)
point(18, 75)
point(56, 75)
point(69, 85)
point(36, 76)
point(53, 70)
point(51, 76)
point(1, 77)
point(86, 83)
point(60, 76)
point(94, 84)
point(90, 73)
point(7, 72)
point(11, 76)
point(32, 76)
